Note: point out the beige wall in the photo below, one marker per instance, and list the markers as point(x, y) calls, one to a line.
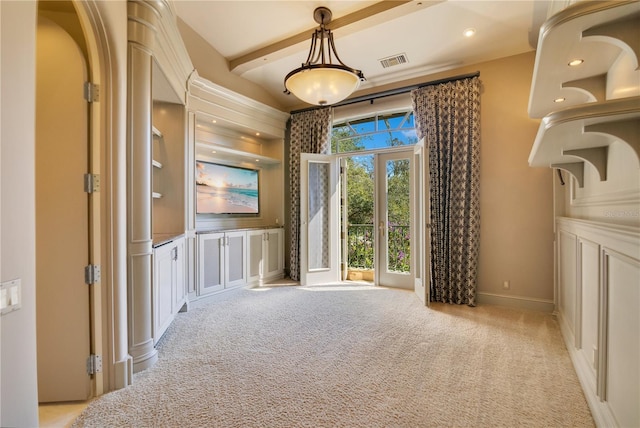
point(214, 67)
point(18, 387)
point(516, 232)
point(18, 384)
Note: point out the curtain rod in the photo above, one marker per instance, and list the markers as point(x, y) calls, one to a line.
point(391, 92)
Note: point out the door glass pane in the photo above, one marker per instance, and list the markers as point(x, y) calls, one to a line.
point(398, 216)
point(360, 215)
point(318, 221)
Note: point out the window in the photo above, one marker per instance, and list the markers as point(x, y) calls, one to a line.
point(381, 130)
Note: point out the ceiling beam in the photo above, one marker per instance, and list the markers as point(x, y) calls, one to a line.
point(253, 59)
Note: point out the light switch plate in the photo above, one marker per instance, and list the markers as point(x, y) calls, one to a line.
point(10, 296)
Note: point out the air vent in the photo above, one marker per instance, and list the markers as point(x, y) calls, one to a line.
point(394, 60)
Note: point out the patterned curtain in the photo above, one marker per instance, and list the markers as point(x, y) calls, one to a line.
point(310, 133)
point(448, 117)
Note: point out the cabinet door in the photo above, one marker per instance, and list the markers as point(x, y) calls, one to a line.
point(180, 284)
point(162, 289)
point(211, 251)
point(255, 254)
point(274, 263)
point(236, 259)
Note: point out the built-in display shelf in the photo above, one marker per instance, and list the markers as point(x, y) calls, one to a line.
point(206, 151)
point(570, 138)
point(603, 38)
point(156, 164)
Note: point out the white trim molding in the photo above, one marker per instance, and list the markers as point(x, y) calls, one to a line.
point(528, 303)
point(217, 102)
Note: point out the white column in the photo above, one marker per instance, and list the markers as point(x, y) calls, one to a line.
point(139, 236)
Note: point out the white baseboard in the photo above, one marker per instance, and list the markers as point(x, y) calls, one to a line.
point(528, 303)
point(123, 372)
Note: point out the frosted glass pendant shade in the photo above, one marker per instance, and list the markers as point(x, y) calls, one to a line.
point(322, 85)
point(320, 81)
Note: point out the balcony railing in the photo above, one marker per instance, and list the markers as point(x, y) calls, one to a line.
point(361, 240)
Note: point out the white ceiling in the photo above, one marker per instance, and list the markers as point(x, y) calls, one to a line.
point(430, 33)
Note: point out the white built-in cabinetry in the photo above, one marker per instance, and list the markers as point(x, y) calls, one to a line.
point(598, 302)
point(169, 288)
point(168, 178)
point(233, 258)
point(221, 261)
point(586, 89)
point(265, 259)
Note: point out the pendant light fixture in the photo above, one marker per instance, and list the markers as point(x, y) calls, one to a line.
point(319, 80)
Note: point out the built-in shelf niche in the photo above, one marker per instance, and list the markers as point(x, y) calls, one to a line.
point(168, 168)
point(212, 152)
point(242, 132)
point(157, 140)
point(217, 140)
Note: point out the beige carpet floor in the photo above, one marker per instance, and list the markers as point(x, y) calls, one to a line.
point(350, 356)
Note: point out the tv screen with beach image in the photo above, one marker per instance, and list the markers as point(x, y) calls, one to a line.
point(224, 189)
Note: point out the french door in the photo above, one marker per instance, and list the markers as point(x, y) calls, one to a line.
point(319, 225)
point(394, 218)
point(400, 256)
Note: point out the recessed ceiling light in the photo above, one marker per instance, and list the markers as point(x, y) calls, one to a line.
point(214, 121)
point(213, 151)
point(257, 160)
point(559, 100)
point(469, 32)
point(575, 62)
point(257, 134)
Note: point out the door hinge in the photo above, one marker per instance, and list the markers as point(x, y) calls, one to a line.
point(94, 364)
point(91, 183)
point(91, 274)
point(91, 92)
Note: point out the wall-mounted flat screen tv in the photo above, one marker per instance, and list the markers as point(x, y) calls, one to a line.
point(224, 189)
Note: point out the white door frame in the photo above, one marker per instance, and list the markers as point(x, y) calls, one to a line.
point(420, 243)
point(107, 137)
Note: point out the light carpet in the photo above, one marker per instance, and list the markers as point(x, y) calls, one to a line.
point(350, 356)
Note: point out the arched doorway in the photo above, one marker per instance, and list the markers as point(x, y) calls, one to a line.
point(62, 217)
point(92, 25)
